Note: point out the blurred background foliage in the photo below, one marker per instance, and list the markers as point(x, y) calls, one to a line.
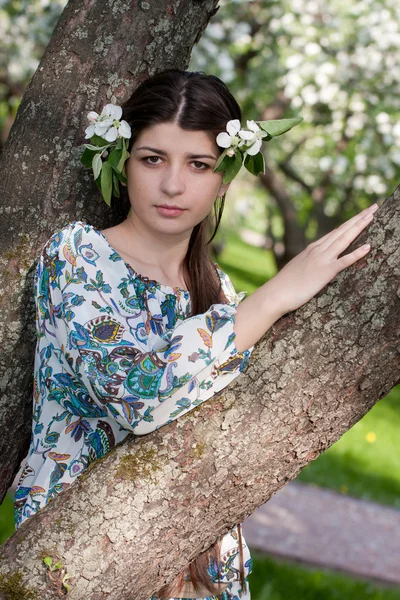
point(337, 65)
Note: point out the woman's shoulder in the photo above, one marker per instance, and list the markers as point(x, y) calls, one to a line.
point(228, 288)
point(69, 235)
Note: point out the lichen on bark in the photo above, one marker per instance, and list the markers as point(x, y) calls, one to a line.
point(12, 588)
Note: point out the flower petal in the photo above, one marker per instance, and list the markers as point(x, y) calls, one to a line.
point(106, 121)
point(89, 131)
point(252, 125)
point(233, 126)
point(254, 148)
point(223, 140)
point(111, 134)
point(113, 110)
point(100, 128)
point(247, 135)
point(125, 130)
point(92, 116)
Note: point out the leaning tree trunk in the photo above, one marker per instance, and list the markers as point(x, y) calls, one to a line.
point(99, 52)
point(153, 504)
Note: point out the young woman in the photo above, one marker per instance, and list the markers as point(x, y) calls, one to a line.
point(136, 325)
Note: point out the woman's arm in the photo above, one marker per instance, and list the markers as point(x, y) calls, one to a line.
point(299, 281)
point(114, 356)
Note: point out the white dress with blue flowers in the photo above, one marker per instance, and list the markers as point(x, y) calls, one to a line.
point(117, 353)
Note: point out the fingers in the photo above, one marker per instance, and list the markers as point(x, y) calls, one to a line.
point(344, 240)
point(356, 221)
point(349, 259)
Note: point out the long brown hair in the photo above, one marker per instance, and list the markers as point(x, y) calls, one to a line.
point(196, 102)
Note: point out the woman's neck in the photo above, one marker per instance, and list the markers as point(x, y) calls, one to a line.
point(154, 256)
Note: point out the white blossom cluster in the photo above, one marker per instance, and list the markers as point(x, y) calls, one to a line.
point(25, 35)
point(338, 59)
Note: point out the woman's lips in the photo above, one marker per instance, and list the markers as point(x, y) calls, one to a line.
point(169, 212)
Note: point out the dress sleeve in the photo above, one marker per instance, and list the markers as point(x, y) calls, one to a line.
point(98, 323)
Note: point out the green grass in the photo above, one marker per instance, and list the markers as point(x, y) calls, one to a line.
point(6, 518)
point(273, 579)
point(365, 462)
point(248, 267)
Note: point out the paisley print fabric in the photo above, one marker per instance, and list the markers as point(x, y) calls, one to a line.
point(116, 353)
point(229, 569)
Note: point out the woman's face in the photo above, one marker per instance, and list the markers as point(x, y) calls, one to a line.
point(173, 167)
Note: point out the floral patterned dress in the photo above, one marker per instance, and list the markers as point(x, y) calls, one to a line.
point(117, 353)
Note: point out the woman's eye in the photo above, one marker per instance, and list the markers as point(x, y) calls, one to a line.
point(202, 167)
point(147, 158)
point(199, 166)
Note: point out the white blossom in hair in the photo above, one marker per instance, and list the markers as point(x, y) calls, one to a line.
point(230, 140)
point(108, 124)
point(108, 151)
point(252, 137)
point(243, 146)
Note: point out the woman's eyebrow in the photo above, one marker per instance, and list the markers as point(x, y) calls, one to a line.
point(163, 153)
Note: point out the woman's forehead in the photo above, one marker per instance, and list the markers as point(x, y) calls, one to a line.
point(172, 136)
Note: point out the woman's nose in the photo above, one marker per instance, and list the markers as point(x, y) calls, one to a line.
point(173, 181)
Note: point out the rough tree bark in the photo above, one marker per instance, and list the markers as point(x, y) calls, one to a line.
point(99, 52)
point(153, 504)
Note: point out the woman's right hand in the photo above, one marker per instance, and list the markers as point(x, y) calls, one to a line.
point(308, 272)
point(299, 281)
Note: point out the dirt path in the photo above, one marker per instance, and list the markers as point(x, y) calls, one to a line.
point(324, 528)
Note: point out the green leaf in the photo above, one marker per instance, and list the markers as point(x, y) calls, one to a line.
point(57, 566)
point(225, 164)
point(124, 156)
point(255, 164)
point(97, 182)
point(116, 191)
point(97, 165)
point(233, 167)
point(95, 148)
point(87, 158)
point(221, 159)
point(67, 586)
point(98, 141)
point(48, 561)
point(106, 182)
point(64, 582)
point(114, 158)
point(276, 127)
point(120, 176)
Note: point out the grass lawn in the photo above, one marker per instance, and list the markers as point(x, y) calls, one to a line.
point(278, 580)
point(6, 518)
point(365, 462)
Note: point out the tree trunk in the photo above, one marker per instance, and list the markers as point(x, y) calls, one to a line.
point(294, 238)
point(153, 504)
point(99, 52)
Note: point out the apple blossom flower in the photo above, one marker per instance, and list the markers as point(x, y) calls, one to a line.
point(230, 139)
point(252, 138)
point(108, 124)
